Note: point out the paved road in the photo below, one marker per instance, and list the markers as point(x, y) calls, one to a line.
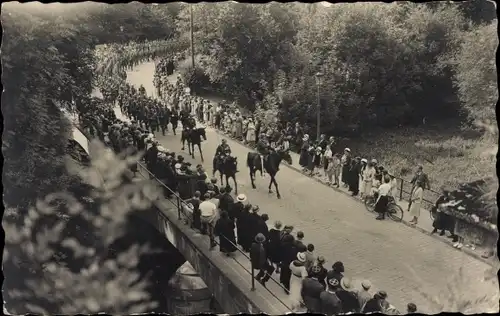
point(341, 229)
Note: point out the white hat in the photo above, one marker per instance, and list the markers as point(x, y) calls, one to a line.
point(345, 283)
point(178, 166)
point(364, 160)
point(306, 136)
point(161, 149)
point(347, 149)
point(301, 257)
point(241, 198)
point(374, 161)
point(319, 149)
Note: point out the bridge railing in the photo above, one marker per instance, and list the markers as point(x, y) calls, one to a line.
point(186, 216)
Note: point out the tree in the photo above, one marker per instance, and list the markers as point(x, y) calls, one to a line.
point(52, 285)
point(36, 131)
point(475, 73)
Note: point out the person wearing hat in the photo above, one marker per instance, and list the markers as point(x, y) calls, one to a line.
point(299, 272)
point(368, 175)
point(304, 153)
point(224, 228)
point(260, 260)
point(274, 243)
point(311, 291)
point(364, 294)
point(174, 120)
point(194, 204)
point(253, 222)
point(346, 163)
point(261, 223)
point(337, 271)
point(226, 202)
point(376, 304)
point(287, 254)
point(354, 175)
point(238, 206)
point(347, 296)
point(244, 234)
point(208, 212)
point(320, 262)
point(151, 156)
point(329, 301)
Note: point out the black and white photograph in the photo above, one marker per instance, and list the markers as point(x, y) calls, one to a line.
point(260, 158)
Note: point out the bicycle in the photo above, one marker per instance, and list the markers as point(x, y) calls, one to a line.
point(394, 211)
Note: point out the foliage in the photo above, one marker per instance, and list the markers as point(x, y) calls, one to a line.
point(459, 298)
point(49, 286)
point(475, 73)
point(238, 41)
point(37, 83)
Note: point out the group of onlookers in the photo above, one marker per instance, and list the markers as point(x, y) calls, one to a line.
point(303, 274)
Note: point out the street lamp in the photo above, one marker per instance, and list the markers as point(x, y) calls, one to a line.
point(318, 110)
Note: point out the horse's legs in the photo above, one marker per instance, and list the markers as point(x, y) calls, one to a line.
point(252, 174)
point(191, 152)
point(201, 153)
point(270, 183)
point(221, 180)
point(273, 179)
point(235, 183)
point(182, 141)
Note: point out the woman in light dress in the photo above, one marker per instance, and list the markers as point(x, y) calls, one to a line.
point(368, 178)
point(251, 132)
point(299, 273)
point(416, 202)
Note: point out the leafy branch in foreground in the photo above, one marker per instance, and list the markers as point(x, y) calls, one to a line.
point(458, 298)
point(100, 284)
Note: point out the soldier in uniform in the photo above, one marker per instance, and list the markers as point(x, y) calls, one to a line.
point(222, 151)
point(263, 149)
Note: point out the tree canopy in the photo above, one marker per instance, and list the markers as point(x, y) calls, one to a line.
point(48, 64)
point(383, 64)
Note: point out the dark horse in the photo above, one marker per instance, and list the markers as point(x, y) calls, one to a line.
point(227, 166)
point(193, 137)
point(271, 165)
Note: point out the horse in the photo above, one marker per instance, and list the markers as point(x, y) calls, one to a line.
point(193, 137)
point(227, 166)
point(271, 165)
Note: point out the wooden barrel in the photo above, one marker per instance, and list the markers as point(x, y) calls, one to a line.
point(187, 293)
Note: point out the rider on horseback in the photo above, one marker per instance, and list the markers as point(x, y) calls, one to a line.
point(191, 122)
point(263, 149)
point(222, 151)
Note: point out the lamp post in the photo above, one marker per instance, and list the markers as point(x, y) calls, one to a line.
point(318, 110)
